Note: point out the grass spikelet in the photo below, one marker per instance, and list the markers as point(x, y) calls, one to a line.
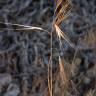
point(62, 71)
point(61, 13)
point(63, 77)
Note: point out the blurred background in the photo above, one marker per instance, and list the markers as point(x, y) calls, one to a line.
point(25, 54)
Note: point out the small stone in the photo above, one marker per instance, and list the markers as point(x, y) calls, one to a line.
point(5, 79)
point(13, 90)
point(77, 61)
point(86, 80)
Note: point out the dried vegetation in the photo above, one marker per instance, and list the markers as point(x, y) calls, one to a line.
point(55, 58)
